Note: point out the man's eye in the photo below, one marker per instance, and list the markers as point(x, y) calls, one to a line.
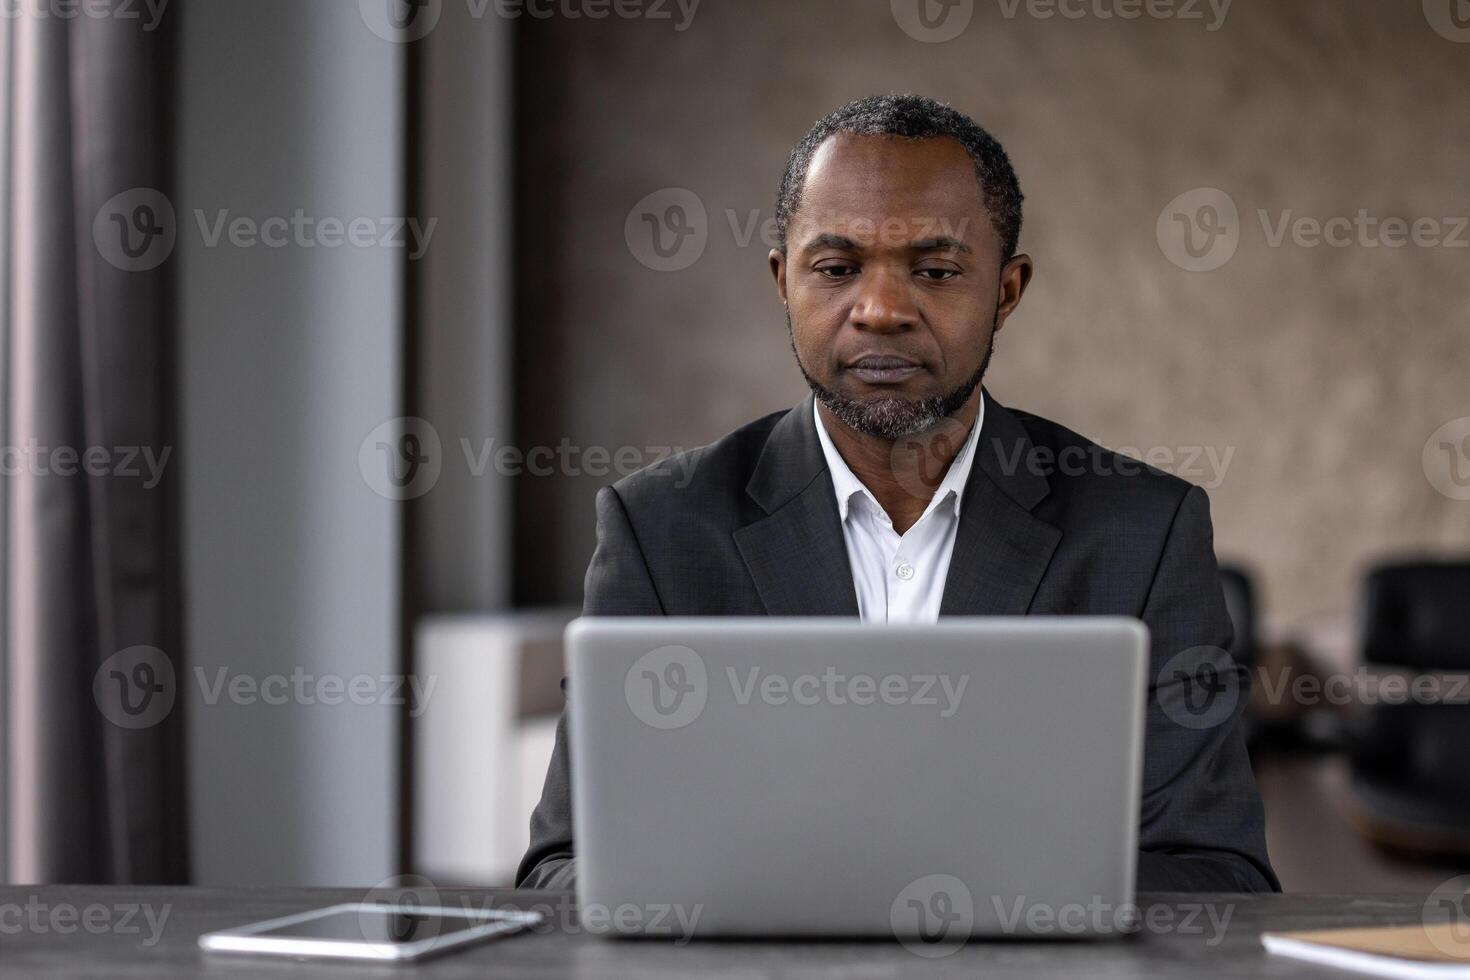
point(836, 271)
point(938, 275)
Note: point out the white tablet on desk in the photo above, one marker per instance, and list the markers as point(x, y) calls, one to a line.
point(358, 931)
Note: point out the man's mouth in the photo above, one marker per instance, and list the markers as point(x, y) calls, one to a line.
point(883, 369)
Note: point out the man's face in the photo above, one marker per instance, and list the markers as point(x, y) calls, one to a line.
point(893, 281)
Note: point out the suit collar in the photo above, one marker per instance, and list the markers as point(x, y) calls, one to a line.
point(792, 458)
point(1002, 549)
point(1006, 457)
point(949, 494)
point(798, 558)
point(796, 554)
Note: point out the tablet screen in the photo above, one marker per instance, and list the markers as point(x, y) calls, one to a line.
point(387, 926)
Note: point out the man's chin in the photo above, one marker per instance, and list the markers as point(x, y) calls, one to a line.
point(885, 416)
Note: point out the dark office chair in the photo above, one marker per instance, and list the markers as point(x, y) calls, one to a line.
point(1411, 777)
point(1240, 602)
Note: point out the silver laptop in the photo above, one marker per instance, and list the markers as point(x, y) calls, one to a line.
point(823, 777)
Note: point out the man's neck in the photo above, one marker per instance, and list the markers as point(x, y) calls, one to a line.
point(902, 474)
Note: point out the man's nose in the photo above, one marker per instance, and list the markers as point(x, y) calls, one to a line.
point(884, 304)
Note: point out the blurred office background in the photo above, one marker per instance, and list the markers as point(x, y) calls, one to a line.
point(384, 451)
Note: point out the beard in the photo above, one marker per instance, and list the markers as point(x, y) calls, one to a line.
point(892, 417)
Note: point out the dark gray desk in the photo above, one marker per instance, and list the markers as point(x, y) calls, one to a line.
point(117, 954)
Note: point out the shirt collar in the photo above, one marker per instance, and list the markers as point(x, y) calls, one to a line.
point(846, 485)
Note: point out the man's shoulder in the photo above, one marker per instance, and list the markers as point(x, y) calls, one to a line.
point(1084, 472)
point(701, 477)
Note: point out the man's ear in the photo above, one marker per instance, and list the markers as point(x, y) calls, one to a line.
point(778, 271)
point(1015, 276)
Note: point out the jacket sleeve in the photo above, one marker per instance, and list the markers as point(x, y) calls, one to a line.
point(617, 584)
point(1201, 825)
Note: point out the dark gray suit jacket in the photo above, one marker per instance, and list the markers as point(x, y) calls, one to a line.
point(1050, 524)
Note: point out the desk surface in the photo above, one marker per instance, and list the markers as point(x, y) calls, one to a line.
point(112, 935)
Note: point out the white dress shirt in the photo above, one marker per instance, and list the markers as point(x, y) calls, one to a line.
point(899, 578)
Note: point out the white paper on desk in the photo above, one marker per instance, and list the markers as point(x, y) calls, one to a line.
point(1361, 962)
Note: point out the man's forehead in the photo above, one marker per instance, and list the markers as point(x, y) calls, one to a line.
point(870, 180)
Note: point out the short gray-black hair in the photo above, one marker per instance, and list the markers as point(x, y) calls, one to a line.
point(911, 117)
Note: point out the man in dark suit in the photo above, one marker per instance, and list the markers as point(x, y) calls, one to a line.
point(899, 491)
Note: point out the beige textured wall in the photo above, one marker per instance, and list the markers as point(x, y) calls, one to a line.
point(1321, 370)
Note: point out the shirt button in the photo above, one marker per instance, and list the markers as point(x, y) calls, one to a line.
point(904, 571)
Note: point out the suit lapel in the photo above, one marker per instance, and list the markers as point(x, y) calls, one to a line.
point(1001, 549)
point(796, 555)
